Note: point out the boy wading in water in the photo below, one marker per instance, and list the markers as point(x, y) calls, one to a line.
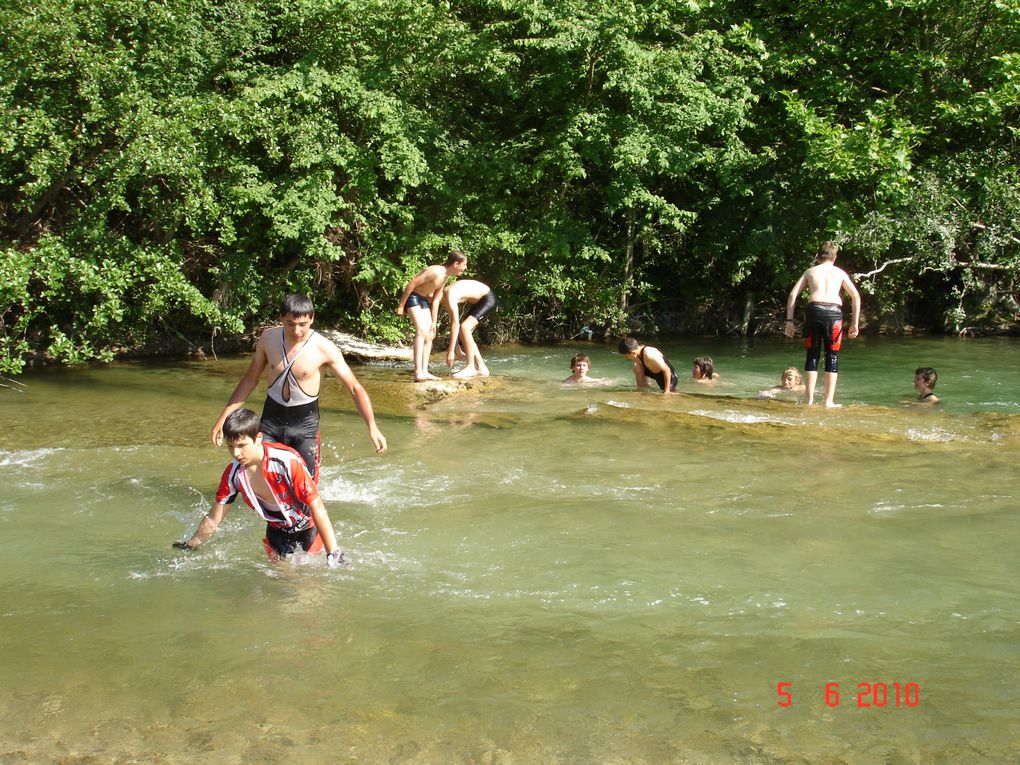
point(292, 357)
point(274, 482)
point(421, 299)
point(823, 322)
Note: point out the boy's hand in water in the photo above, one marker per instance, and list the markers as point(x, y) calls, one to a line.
point(336, 559)
point(182, 546)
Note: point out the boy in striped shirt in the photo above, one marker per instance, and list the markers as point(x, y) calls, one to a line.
point(274, 481)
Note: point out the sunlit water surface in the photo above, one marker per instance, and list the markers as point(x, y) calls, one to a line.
point(539, 575)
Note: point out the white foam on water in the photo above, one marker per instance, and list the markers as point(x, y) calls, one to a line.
point(743, 418)
point(217, 559)
point(339, 488)
point(25, 458)
point(392, 487)
point(935, 435)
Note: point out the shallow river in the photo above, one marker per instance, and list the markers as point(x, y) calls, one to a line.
point(539, 575)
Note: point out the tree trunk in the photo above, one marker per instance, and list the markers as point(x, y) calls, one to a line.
point(748, 313)
point(628, 265)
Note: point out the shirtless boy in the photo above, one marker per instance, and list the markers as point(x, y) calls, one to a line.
point(703, 370)
point(480, 302)
point(823, 324)
point(924, 383)
point(421, 299)
point(649, 363)
point(292, 357)
point(579, 366)
point(274, 482)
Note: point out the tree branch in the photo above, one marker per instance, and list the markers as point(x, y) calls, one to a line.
point(885, 265)
point(897, 261)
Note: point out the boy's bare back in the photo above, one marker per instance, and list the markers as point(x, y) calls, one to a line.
point(824, 283)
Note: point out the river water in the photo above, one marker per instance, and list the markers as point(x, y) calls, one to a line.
point(539, 575)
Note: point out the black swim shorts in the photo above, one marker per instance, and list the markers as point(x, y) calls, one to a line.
point(296, 427)
point(485, 305)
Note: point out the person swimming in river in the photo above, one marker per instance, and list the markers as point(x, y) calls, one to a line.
point(580, 365)
point(649, 363)
point(789, 383)
point(292, 357)
point(421, 299)
point(703, 370)
point(924, 383)
point(274, 482)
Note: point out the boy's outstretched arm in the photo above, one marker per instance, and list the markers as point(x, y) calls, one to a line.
point(408, 290)
point(241, 392)
point(855, 302)
point(206, 528)
point(791, 303)
point(336, 362)
point(639, 374)
point(454, 310)
point(320, 517)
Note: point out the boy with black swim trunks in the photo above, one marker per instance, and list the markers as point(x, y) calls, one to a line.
point(274, 482)
point(479, 301)
point(292, 356)
point(649, 363)
point(823, 323)
point(421, 299)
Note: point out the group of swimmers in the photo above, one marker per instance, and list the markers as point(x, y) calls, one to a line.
point(823, 324)
point(703, 371)
point(275, 457)
point(823, 332)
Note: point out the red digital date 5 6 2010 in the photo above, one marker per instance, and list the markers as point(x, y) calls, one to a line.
point(868, 694)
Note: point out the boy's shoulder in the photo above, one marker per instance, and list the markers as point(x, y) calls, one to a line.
point(326, 349)
point(268, 333)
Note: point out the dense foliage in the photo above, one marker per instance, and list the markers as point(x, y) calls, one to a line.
point(171, 167)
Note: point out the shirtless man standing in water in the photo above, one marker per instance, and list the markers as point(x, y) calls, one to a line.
point(292, 357)
point(421, 298)
point(480, 301)
point(823, 323)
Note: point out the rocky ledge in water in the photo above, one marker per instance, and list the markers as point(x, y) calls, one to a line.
point(399, 395)
point(362, 350)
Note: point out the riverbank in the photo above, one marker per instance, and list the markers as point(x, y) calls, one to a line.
point(500, 332)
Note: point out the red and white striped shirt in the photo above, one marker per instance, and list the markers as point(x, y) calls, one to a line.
point(293, 489)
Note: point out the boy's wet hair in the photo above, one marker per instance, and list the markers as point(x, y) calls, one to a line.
point(928, 375)
point(456, 256)
point(628, 345)
point(827, 251)
point(297, 304)
point(706, 365)
point(241, 423)
point(579, 357)
point(791, 370)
